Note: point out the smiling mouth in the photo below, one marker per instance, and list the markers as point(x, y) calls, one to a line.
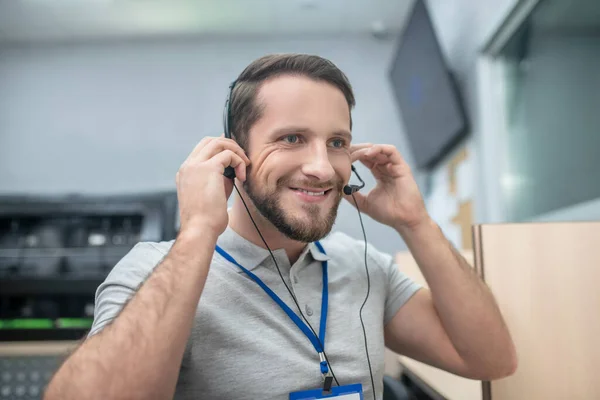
point(312, 192)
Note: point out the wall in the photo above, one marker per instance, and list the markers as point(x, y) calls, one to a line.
point(463, 28)
point(563, 65)
point(121, 117)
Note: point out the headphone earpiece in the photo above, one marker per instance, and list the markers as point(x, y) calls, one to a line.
point(229, 171)
point(351, 189)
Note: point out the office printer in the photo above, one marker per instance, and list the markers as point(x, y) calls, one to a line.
point(54, 253)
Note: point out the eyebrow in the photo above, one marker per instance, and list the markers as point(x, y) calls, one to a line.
point(288, 130)
point(345, 133)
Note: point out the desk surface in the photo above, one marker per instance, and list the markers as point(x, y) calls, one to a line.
point(451, 386)
point(37, 348)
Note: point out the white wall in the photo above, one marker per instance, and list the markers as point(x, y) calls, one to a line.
point(110, 118)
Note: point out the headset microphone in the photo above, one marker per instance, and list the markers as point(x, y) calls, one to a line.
point(351, 189)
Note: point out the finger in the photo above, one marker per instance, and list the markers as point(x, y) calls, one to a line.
point(368, 163)
point(228, 187)
point(379, 158)
point(359, 146)
point(201, 144)
point(209, 142)
point(369, 154)
point(386, 150)
point(228, 158)
point(358, 154)
point(218, 145)
point(240, 171)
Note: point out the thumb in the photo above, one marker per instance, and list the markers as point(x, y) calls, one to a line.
point(358, 199)
point(228, 187)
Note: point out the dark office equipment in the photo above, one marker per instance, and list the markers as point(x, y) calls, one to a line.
point(395, 390)
point(54, 252)
point(418, 389)
point(24, 377)
point(428, 99)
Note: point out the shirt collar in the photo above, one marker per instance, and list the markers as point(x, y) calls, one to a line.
point(317, 254)
point(251, 256)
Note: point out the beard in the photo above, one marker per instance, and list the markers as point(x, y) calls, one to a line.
point(308, 230)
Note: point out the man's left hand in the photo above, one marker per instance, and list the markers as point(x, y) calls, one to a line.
point(396, 200)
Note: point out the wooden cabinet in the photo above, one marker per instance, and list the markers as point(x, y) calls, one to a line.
point(546, 280)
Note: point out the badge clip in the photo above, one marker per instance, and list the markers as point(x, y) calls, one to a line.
point(327, 376)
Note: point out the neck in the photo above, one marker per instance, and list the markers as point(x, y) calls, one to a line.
point(240, 222)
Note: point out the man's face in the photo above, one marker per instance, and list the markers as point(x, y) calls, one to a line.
point(300, 156)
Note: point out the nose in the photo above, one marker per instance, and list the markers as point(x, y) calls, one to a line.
point(317, 165)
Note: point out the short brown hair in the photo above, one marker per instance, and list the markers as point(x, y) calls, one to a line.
point(244, 109)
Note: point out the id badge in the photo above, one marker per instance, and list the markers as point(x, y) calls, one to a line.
point(347, 392)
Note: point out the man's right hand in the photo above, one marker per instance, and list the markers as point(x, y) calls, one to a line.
point(202, 190)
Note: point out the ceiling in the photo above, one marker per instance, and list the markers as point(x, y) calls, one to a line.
point(40, 21)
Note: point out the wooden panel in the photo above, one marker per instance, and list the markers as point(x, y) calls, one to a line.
point(545, 278)
point(409, 266)
point(453, 164)
point(37, 348)
point(450, 386)
point(464, 219)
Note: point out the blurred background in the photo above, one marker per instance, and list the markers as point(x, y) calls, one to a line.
point(493, 104)
point(109, 96)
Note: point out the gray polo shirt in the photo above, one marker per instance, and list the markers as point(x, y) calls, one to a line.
point(243, 345)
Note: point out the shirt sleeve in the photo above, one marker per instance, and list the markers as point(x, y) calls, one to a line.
point(122, 282)
point(399, 286)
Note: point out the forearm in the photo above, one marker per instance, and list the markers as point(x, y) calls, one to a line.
point(465, 305)
point(139, 355)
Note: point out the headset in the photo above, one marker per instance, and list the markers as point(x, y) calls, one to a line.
point(348, 190)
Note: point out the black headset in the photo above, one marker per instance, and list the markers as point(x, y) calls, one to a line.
point(230, 172)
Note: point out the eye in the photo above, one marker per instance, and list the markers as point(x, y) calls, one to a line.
point(338, 143)
point(291, 139)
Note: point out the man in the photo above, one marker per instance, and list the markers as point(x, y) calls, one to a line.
point(181, 319)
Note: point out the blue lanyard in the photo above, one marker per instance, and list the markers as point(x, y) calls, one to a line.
point(303, 327)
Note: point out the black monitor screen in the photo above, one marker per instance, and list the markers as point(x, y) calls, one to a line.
point(429, 103)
